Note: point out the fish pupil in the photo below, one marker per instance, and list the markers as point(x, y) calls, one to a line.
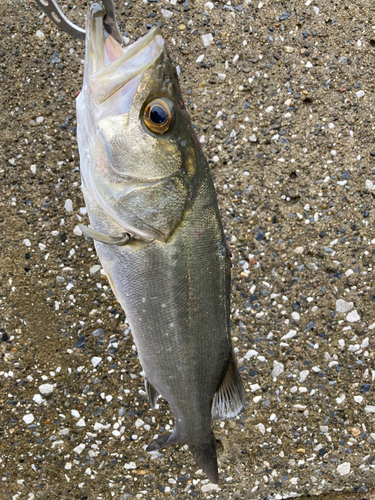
point(158, 115)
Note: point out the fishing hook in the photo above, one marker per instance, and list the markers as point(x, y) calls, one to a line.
point(53, 11)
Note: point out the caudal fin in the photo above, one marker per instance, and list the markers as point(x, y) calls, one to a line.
point(205, 456)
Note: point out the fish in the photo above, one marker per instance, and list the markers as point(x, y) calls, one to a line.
point(157, 229)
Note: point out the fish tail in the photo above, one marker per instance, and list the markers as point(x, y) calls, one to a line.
point(206, 458)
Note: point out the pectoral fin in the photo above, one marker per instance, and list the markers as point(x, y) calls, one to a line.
point(230, 397)
point(151, 392)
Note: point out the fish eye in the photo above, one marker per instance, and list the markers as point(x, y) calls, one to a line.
point(158, 115)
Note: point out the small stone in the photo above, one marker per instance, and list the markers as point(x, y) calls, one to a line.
point(40, 119)
point(207, 39)
point(79, 449)
point(182, 27)
point(284, 16)
point(95, 361)
point(278, 369)
point(356, 432)
point(299, 250)
point(353, 316)
point(344, 469)
point(68, 205)
point(210, 487)
point(370, 409)
point(130, 465)
point(200, 58)
point(208, 5)
point(28, 419)
point(166, 13)
point(360, 93)
point(253, 138)
point(343, 307)
point(358, 399)
point(40, 35)
point(98, 333)
point(309, 64)
point(55, 58)
point(288, 49)
point(46, 389)
point(77, 231)
point(27, 242)
point(221, 76)
point(93, 270)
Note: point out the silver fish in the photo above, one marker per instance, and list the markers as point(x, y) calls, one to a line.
point(158, 234)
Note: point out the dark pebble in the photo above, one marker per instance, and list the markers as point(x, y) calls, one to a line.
point(365, 388)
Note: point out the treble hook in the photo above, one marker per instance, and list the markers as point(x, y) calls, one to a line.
point(51, 9)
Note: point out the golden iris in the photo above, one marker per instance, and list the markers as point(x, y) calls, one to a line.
point(158, 116)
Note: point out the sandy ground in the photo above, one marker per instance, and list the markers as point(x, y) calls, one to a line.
point(283, 103)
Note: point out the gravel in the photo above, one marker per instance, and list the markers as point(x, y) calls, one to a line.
point(282, 99)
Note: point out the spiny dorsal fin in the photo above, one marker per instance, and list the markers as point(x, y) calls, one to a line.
point(151, 392)
point(230, 398)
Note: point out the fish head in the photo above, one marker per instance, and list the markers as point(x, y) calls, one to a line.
point(137, 144)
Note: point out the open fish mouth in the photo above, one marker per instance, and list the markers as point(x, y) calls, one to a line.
point(109, 66)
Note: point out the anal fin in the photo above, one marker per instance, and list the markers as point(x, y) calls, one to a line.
point(151, 392)
point(229, 399)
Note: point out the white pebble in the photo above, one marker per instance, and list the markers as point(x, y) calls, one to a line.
point(130, 465)
point(353, 316)
point(81, 423)
point(38, 399)
point(77, 231)
point(29, 418)
point(39, 119)
point(251, 354)
point(253, 138)
point(343, 307)
point(33, 168)
point(27, 242)
point(208, 5)
point(360, 93)
point(371, 327)
point(261, 428)
point(269, 109)
point(278, 369)
point(79, 449)
point(303, 375)
point(68, 205)
point(139, 422)
point(200, 58)
point(95, 361)
point(221, 76)
point(290, 334)
point(295, 316)
point(207, 39)
point(166, 13)
point(75, 413)
point(46, 388)
point(344, 468)
point(210, 487)
point(370, 409)
point(358, 399)
point(299, 250)
point(39, 34)
point(309, 64)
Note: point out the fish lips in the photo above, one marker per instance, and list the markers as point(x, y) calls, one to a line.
point(108, 66)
